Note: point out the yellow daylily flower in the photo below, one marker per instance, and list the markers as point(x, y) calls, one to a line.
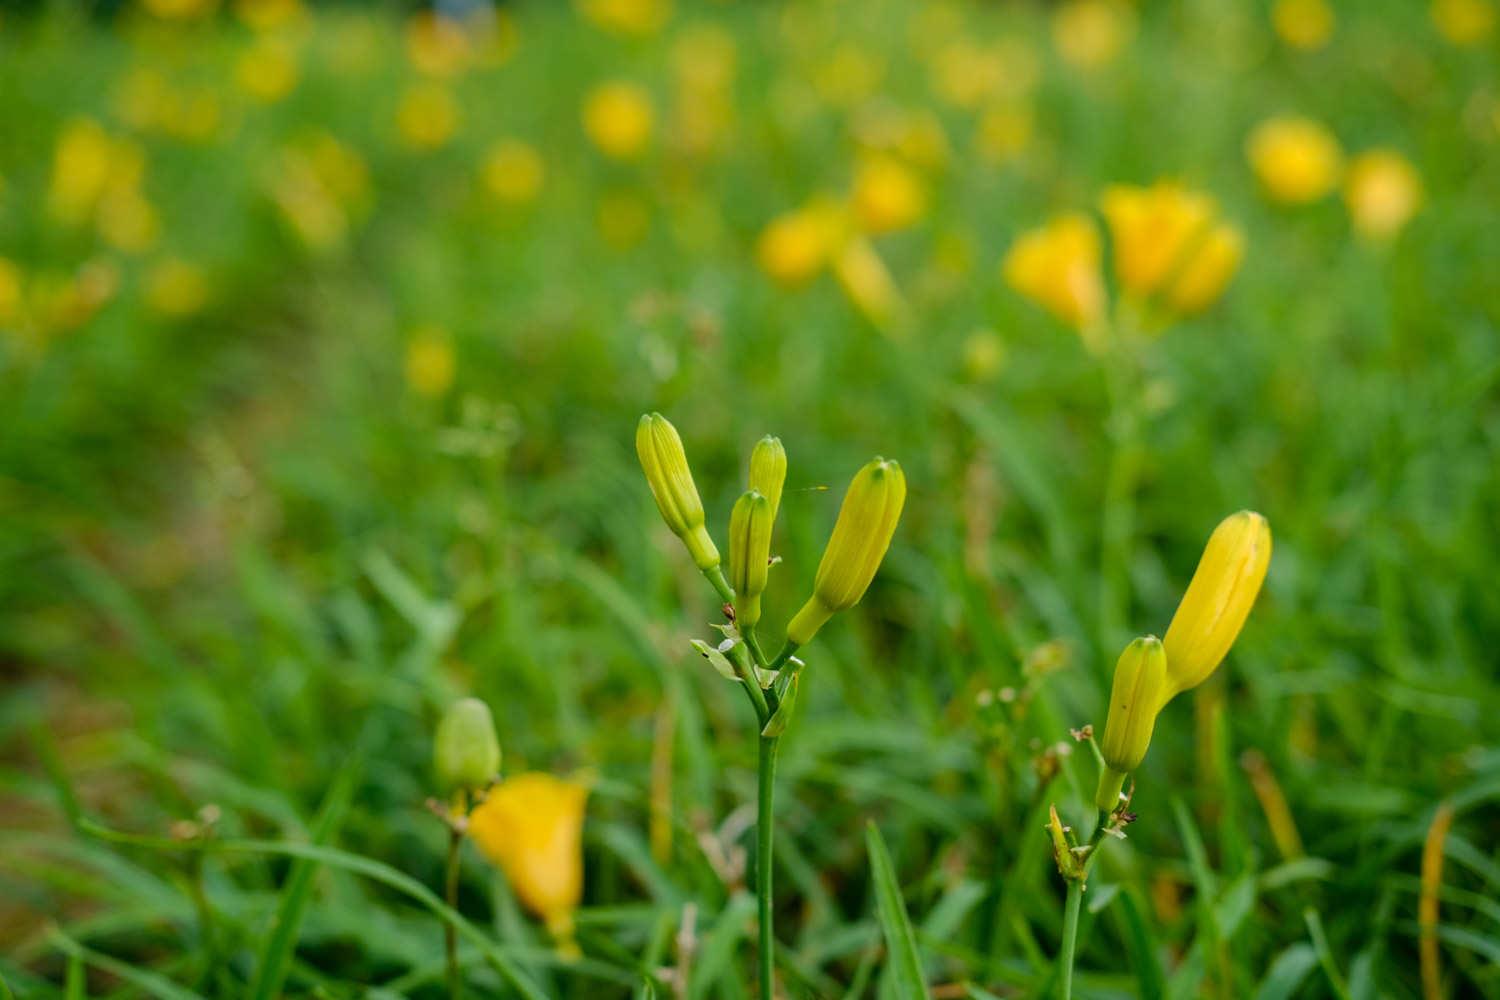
point(531, 826)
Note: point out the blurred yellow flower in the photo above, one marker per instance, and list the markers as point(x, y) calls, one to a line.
point(795, 246)
point(63, 303)
point(1303, 24)
point(10, 292)
point(81, 170)
point(177, 10)
point(966, 75)
point(1166, 240)
point(703, 58)
point(176, 288)
point(1464, 22)
point(1297, 160)
point(984, 356)
point(848, 75)
point(267, 69)
point(318, 185)
point(618, 119)
point(532, 827)
point(427, 116)
point(430, 363)
point(268, 15)
point(1003, 133)
point(437, 45)
point(623, 218)
point(1058, 267)
point(1383, 192)
point(1207, 271)
point(513, 171)
point(868, 283)
point(627, 17)
point(1089, 34)
point(128, 221)
point(888, 195)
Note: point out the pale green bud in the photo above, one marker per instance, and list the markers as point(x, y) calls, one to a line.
point(866, 522)
point(671, 482)
point(749, 554)
point(1218, 599)
point(768, 470)
point(466, 752)
point(1137, 695)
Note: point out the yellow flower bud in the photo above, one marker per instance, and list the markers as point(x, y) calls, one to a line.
point(749, 554)
point(1297, 160)
point(1203, 279)
point(1058, 267)
point(768, 470)
point(1134, 700)
point(866, 522)
point(1383, 191)
point(1218, 600)
point(671, 482)
point(466, 753)
point(532, 827)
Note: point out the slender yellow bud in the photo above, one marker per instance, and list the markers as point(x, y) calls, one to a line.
point(466, 753)
point(866, 522)
point(1134, 700)
point(768, 470)
point(1218, 600)
point(749, 555)
point(671, 482)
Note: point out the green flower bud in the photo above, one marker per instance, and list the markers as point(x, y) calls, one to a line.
point(671, 482)
point(749, 554)
point(866, 522)
point(1136, 697)
point(768, 470)
point(466, 752)
point(1218, 599)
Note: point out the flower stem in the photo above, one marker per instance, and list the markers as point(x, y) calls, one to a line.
point(1069, 937)
point(764, 818)
point(450, 896)
point(1071, 908)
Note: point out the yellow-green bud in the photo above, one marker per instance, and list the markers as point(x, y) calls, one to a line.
point(1134, 701)
point(866, 522)
point(466, 752)
point(749, 554)
point(1218, 599)
point(671, 482)
point(768, 470)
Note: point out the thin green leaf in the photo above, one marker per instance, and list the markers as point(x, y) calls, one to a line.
point(900, 941)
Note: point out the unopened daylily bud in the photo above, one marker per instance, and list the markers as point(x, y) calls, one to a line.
point(866, 522)
point(1134, 701)
point(1218, 599)
point(671, 482)
point(466, 753)
point(768, 470)
point(749, 554)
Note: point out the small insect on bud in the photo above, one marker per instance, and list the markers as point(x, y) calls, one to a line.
point(866, 522)
point(749, 555)
point(1218, 600)
point(466, 753)
point(1134, 700)
point(768, 470)
point(671, 482)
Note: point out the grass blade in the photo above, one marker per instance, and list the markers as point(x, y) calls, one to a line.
point(900, 940)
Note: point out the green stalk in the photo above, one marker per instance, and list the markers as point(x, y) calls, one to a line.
point(1072, 906)
point(765, 810)
point(450, 896)
point(1070, 936)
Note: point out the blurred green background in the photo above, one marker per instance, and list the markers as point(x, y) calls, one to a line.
point(323, 335)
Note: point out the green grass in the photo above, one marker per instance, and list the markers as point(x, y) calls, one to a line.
point(240, 558)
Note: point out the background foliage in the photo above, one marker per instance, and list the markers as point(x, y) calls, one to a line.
point(256, 532)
